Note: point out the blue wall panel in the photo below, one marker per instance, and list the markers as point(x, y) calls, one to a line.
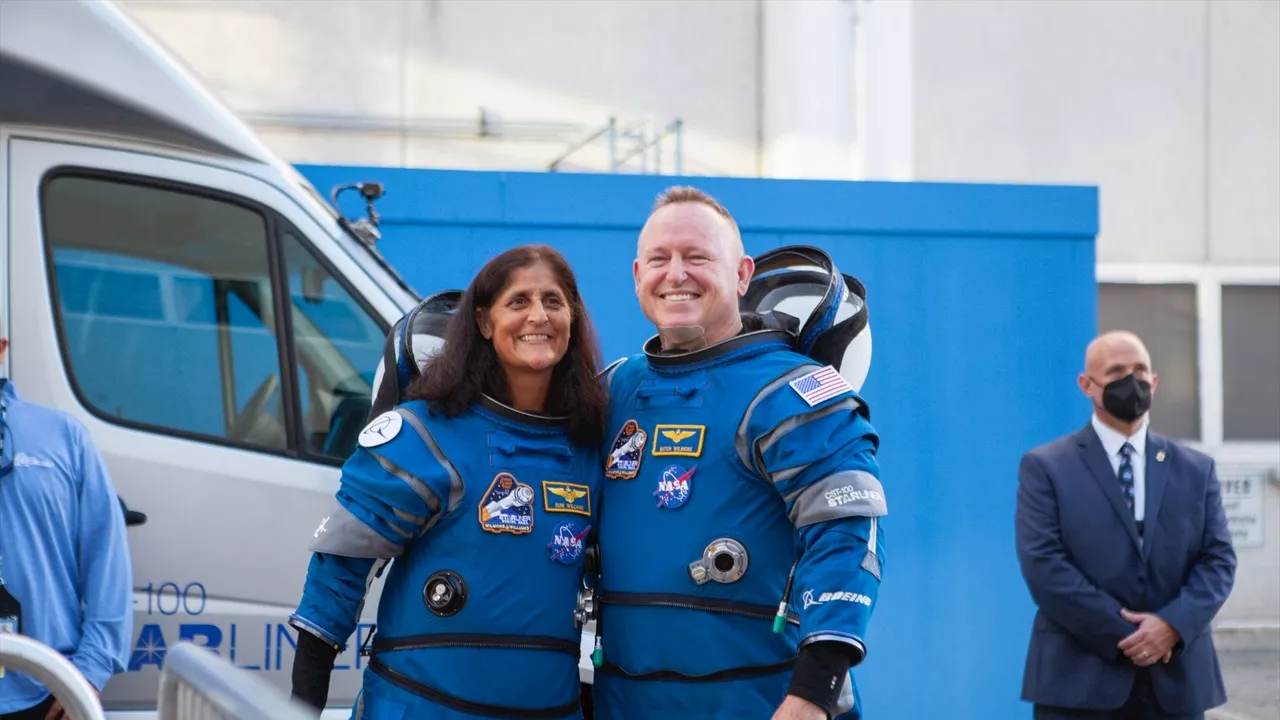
point(982, 300)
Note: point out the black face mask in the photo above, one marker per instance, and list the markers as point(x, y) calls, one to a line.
point(1127, 398)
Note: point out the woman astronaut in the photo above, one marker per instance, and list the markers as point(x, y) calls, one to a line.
point(483, 488)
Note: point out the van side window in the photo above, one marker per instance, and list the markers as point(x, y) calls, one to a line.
point(337, 345)
point(164, 308)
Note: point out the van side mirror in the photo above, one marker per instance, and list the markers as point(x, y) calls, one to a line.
point(131, 517)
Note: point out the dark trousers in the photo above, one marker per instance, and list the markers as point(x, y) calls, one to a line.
point(33, 713)
point(1141, 705)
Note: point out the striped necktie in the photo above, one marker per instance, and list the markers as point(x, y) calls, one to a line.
point(1126, 474)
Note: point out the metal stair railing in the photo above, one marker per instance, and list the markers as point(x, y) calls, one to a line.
point(195, 684)
point(19, 653)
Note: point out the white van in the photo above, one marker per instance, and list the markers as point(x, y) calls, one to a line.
point(202, 310)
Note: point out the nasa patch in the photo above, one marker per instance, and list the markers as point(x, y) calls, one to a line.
point(507, 506)
point(568, 541)
point(674, 486)
point(381, 430)
point(627, 450)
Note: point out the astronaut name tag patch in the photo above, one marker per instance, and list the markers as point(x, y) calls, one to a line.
point(565, 497)
point(624, 456)
point(820, 385)
point(568, 541)
point(683, 440)
point(381, 429)
point(674, 486)
point(507, 506)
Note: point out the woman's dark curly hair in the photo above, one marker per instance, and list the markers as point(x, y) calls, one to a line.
point(468, 366)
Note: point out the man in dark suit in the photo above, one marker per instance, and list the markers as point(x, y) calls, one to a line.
point(1124, 545)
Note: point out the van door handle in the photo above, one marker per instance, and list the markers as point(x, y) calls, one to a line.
point(131, 517)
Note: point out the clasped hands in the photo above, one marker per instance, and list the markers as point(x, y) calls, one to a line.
point(1152, 642)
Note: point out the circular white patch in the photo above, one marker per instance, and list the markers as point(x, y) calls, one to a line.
point(381, 430)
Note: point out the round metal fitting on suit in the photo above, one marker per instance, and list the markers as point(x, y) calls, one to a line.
point(444, 593)
point(724, 560)
point(586, 608)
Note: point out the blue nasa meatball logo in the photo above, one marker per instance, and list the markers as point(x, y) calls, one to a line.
point(568, 541)
point(674, 486)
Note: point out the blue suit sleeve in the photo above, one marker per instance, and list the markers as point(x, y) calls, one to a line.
point(1212, 577)
point(106, 576)
point(390, 494)
point(821, 459)
point(1061, 591)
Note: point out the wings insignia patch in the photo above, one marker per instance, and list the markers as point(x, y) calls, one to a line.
point(565, 497)
point(681, 440)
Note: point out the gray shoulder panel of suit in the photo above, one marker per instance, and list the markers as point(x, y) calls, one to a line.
point(607, 373)
point(741, 441)
point(848, 493)
point(779, 431)
point(456, 486)
point(342, 533)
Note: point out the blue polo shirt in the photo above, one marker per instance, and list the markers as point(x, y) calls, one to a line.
point(63, 550)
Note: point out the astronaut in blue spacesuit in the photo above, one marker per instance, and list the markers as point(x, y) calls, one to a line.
point(483, 488)
point(741, 552)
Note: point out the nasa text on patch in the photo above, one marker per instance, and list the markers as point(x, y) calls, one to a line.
point(507, 506)
point(566, 497)
point(568, 541)
point(626, 452)
point(674, 486)
point(682, 440)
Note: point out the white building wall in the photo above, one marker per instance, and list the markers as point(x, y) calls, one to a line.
point(546, 72)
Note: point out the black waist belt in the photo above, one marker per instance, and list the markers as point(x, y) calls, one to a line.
point(476, 640)
point(453, 702)
point(716, 605)
point(738, 673)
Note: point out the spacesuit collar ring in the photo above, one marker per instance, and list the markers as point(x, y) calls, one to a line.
point(653, 348)
point(509, 413)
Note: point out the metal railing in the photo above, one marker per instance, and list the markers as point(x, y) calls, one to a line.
point(195, 684)
point(19, 653)
point(645, 139)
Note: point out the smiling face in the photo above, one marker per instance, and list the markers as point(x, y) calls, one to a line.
point(690, 270)
point(528, 322)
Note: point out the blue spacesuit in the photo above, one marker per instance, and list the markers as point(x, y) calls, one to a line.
point(739, 475)
point(486, 516)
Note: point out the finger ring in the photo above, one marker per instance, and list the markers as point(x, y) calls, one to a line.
point(1146, 654)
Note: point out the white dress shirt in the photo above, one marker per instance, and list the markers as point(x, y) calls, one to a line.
point(1112, 441)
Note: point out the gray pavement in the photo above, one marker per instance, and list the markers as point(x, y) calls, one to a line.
point(1251, 669)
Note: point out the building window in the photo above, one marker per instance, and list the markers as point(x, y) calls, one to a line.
point(1164, 316)
point(1250, 362)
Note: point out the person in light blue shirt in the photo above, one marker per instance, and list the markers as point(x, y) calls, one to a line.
point(64, 557)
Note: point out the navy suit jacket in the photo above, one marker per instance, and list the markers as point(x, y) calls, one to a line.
point(1080, 556)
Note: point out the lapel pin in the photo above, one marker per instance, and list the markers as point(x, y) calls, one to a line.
point(1159, 456)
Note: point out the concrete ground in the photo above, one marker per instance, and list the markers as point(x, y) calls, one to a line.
point(1251, 668)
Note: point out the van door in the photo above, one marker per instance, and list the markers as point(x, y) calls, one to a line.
point(220, 349)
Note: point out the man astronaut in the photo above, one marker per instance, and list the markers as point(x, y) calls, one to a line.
point(739, 545)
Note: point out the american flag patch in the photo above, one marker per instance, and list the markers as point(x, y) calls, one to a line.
point(820, 385)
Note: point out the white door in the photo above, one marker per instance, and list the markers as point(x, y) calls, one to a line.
point(220, 350)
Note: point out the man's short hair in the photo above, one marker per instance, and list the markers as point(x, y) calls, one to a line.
point(688, 194)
